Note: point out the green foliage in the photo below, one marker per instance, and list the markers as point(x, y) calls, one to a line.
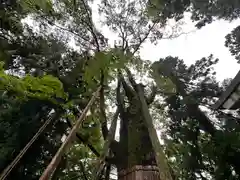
point(153, 8)
point(202, 12)
point(42, 88)
point(129, 20)
point(25, 103)
point(99, 63)
point(164, 83)
point(233, 42)
point(103, 62)
point(59, 76)
point(192, 149)
point(36, 5)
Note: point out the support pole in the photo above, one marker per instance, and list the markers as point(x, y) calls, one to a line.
point(56, 159)
point(9, 168)
point(164, 170)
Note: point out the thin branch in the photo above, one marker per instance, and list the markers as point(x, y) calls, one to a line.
point(130, 77)
point(68, 30)
point(165, 93)
point(62, 28)
point(143, 39)
point(178, 35)
point(91, 26)
point(128, 90)
point(152, 96)
point(102, 109)
point(108, 170)
point(124, 40)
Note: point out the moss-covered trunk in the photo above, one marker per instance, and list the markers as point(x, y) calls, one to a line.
point(135, 148)
point(135, 144)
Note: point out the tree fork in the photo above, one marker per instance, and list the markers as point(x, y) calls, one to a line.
point(56, 159)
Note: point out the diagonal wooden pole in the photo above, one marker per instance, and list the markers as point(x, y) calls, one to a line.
point(9, 168)
point(164, 169)
point(56, 159)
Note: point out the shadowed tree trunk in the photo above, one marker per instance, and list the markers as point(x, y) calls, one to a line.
point(135, 154)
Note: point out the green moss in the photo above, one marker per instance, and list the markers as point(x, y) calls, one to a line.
point(139, 144)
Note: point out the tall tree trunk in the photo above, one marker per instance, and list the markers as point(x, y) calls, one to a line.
point(158, 150)
point(135, 150)
point(138, 143)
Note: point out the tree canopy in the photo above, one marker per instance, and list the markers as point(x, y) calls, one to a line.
point(53, 56)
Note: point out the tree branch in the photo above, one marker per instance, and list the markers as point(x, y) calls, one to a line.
point(192, 107)
point(143, 39)
point(131, 79)
point(102, 99)
point(124, 41)
point(91, 26)
point(151, 97)
point(120, 100)
point(128, 90)
point(90, 146)
point(62, 28)
point(108, 170)
point(102, 109)
point(172, 36)
point(106, 146)
point(83, 171)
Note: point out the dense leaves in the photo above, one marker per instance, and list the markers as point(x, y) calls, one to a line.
point(202, 11)
point(193, 136)
point(53, 56)
point(45, 88)
point(233, 42)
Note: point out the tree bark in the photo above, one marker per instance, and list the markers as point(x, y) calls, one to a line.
point(135, 147)
point(159, 154)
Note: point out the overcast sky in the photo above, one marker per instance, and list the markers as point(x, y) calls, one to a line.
point(191, 47)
